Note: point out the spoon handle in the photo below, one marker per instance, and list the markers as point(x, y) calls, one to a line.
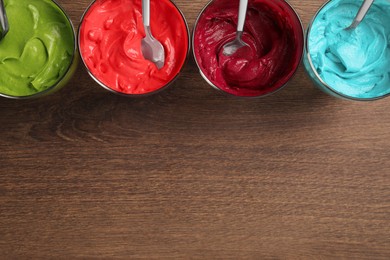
point(242, 15)
point(4, 27)
point(146, 12)
point(361, 13)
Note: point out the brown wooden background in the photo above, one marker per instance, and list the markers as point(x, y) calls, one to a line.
point(193, 173)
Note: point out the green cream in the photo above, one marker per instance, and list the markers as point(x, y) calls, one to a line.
point(38, 49)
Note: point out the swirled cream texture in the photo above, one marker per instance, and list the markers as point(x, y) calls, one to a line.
point(38, 49)
point(275, 38)
point(110, 44)
point(355, 63)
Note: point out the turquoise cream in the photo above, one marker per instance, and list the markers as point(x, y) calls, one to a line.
point(353, 63)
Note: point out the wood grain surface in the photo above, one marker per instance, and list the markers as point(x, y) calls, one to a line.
point(193, 173)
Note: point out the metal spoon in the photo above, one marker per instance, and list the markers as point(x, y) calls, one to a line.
point(151, 48)
point(361, 14)
point(4, 26)
point(231, 47)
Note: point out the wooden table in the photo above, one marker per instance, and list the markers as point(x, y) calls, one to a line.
point(193, 173)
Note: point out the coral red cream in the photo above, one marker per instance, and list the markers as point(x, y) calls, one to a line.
point(110, 44)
